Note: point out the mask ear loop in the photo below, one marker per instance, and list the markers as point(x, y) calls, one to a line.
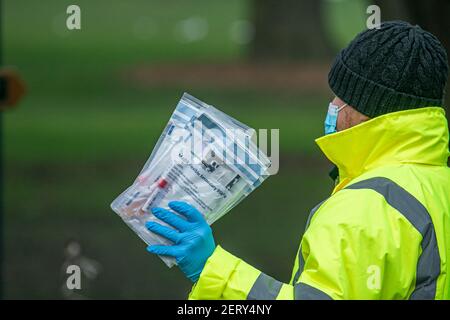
point(342, 107)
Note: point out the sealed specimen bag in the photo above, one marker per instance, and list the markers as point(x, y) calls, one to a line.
point(203, 157)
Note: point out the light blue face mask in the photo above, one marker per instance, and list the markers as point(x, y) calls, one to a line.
point(331, 119)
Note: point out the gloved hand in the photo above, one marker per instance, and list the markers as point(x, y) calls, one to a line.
point(193, 239)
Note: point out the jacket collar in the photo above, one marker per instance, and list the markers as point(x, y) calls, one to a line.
point(417, 136)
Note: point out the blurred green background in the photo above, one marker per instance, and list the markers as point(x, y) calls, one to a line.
point(97, 100)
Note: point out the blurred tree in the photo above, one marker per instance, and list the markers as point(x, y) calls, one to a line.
point(432, 15)
point(288, 30)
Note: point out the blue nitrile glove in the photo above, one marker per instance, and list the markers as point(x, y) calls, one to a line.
point(193, 239)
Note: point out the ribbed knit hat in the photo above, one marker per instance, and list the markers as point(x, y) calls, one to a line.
point(396, 67)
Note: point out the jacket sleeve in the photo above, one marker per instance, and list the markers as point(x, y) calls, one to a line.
point(227, 277)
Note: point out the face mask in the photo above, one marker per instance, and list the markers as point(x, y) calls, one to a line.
point(331, 119)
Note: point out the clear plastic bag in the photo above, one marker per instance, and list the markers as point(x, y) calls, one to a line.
point(203, 157)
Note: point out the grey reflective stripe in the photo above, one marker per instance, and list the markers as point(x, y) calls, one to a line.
point(301, 265)
point(429, 264)
point(303, 291)
point(301, 261)
point(312, 212)
point(264, 288)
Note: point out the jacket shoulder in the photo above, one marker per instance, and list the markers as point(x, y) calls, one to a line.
point(361, 211)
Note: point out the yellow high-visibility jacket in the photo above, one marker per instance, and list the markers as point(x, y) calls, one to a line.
point(384, 233)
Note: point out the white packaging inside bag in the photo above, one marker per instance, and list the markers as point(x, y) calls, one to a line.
point(203, 157)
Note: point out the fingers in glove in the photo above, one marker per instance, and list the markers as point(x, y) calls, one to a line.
point(170, 251)
point(171, 218)
point(190, 212)
point(164, 231)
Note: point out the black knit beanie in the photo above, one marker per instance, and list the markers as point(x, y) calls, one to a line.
point(396, 67)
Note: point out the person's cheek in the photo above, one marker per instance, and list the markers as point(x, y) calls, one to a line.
point(341, 120)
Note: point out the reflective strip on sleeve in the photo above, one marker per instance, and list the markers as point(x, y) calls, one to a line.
point(264, 288)
point(301, 262)
point(303, 291)
point(428, 266)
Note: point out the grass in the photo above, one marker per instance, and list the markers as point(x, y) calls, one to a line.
point(85, 129)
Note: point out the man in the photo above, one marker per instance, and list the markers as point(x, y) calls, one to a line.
point(384, 233)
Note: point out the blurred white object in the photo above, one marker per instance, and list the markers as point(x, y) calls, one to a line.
point(192, 29)
point(90, 268)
